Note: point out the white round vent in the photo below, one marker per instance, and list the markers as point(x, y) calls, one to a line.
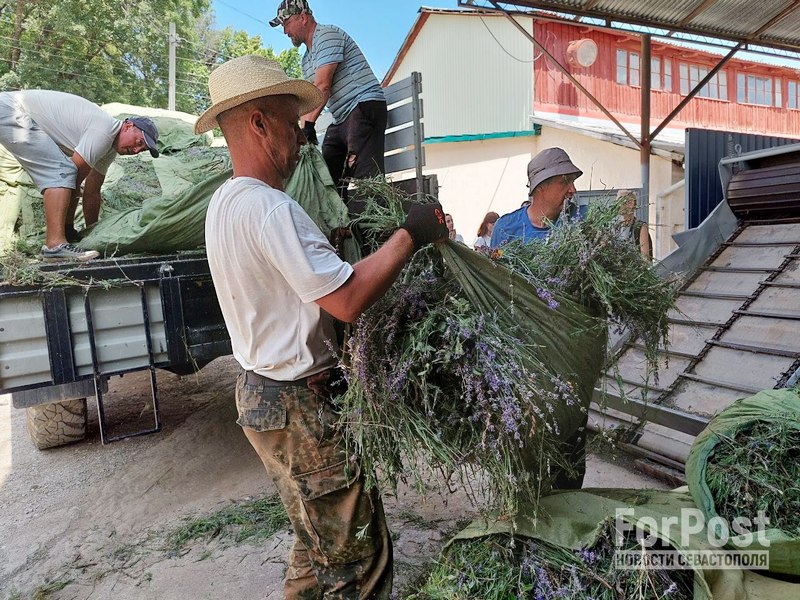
point(582, 53)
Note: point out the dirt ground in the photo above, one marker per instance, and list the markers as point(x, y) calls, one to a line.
point(94, 516)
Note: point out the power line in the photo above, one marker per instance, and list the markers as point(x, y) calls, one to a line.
point(491, 33)
point(233, 8)
point(86, 76)
point(193, 48)
point(60, 51)
point(36, 48)
point(209, 55)
point(33, 53)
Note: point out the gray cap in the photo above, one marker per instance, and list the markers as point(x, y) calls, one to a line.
point(549, 163)
point(150, 132)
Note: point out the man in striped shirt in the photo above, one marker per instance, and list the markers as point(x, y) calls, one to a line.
point(354, 144)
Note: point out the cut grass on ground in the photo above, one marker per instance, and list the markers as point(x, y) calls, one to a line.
point(252, 520)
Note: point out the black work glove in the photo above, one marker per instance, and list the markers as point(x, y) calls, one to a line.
point(425, 223)
point(310, 132)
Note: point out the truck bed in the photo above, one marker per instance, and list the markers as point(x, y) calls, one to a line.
point(113, 316)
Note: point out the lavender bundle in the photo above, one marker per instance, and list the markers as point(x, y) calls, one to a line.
point(499, 567)
point(434, 386)
point(588, 261)
point(472, 362)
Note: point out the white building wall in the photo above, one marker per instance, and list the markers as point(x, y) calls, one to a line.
point(477, 74)
point(491, 175)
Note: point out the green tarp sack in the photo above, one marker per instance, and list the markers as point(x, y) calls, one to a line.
point(768, 406)
point(171, 222)
point(314, 189)
point(574, 520)
point(175, 220)
point(568, 339)
point(19, 201)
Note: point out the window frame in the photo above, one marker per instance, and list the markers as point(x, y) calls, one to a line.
point(793, 95)
point(690, 74)
point(759, 90)
point(629, 64)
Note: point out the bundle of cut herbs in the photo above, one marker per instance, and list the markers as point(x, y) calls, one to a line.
point(758, 470)
point(589, 261)
point(487, 364)
point(499, 567)
point(746, 466)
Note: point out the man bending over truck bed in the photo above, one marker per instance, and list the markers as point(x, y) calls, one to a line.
point(62, 140)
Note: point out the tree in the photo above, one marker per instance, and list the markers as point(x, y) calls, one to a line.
point(223, 45)
point(117, 50)
point(104, 50)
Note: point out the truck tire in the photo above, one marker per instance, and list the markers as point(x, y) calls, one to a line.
point(57, 423)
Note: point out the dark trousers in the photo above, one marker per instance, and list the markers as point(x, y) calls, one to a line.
point(360, 135)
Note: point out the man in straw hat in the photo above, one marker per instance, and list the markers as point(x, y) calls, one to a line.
point(280, 285)
point(64, 141)
point(551, 177)
point(354, 144)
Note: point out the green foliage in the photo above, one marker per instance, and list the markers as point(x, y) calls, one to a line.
point(587, 260)
point(118, 50)
point(17, 268)
point(45, 591)
point(475, 362)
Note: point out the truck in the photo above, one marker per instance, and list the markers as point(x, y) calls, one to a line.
point(61, 341)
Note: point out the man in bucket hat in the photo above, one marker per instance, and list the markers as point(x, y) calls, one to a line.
point(62, 141)
point(354, 144)
point(551, 177)
point(280, 286)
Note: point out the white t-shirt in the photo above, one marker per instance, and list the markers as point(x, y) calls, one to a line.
point(269, 263)
point(482, 241)
point(74, 123)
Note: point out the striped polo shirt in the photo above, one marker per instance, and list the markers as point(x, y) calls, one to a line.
point(353, 80)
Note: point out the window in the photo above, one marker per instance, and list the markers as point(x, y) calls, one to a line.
point(622, 67)
point(629, 70)
point(627, 67)
point(691, 75)
point(661, 79)
point(793, 99)
point(755, 89)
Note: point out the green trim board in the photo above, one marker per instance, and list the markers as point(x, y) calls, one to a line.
point(472, 137)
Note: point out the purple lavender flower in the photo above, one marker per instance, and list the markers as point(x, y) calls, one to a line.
point(546, 296)
point(589, 557)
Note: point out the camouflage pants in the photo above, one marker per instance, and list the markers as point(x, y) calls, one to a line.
point(343, 550)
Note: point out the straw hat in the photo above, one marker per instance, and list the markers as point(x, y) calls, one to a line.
point(248, 77)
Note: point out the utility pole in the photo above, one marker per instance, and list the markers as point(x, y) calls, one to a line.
point(173, 42)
